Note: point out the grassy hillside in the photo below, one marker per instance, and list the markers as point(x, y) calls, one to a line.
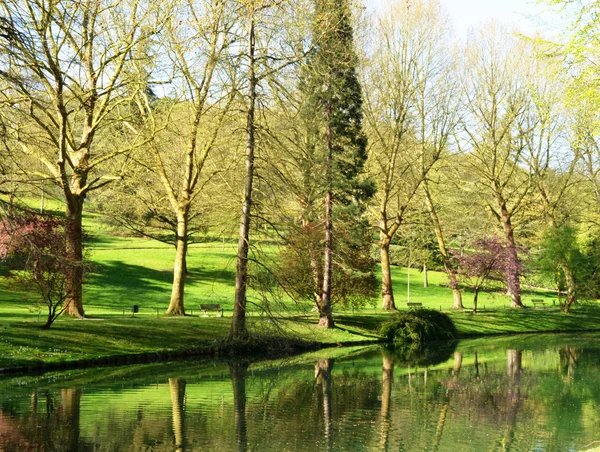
point(130, 270)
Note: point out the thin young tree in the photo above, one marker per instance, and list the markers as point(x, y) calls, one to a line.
point(266, 53)
point(411, 110)
point(198, 37)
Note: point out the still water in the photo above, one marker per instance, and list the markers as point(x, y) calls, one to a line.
point(530, 393)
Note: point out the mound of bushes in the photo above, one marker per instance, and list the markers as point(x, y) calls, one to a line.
point(419, 326)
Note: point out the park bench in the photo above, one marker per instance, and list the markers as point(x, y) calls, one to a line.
point(211, 307)
point(414, 304)
point(537, 302)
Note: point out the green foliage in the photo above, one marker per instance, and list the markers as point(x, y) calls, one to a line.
point(419, 326)
point(589, 276)
point(561, 248)
point(335, 97)
point(353, 280)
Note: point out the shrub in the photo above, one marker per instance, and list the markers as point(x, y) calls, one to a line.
point(418, 326)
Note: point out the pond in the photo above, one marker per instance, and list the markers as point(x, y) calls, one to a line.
point(512, 393)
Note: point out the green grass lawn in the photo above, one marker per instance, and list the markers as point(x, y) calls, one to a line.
point(132, 270)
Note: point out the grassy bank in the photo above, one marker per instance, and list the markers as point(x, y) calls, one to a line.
point(131, 270)
point(24, 344)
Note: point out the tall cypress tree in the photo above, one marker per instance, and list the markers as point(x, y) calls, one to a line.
point(334, 97)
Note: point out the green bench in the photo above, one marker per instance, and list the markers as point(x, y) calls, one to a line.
point(414, 305)
point(537, 302)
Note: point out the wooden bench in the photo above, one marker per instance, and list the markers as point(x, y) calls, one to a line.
point(537, 302)
point(414, 305)
point(211, 307)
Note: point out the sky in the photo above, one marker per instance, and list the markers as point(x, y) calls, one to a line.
point(527, 15)
point(470, 13)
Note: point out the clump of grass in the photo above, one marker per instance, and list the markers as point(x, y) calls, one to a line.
point(418, 326)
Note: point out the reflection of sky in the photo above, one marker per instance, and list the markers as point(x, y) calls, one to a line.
point(527, 15)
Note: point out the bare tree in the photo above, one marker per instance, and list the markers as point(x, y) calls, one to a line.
point(411, 109)
point(198, 37)
point(64, 71)
point(493, 133)
point(266, 53)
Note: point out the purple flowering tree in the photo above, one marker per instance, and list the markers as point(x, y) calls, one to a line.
point(34, 248)
point(490, 259)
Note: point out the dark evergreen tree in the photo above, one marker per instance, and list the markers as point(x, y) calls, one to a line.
point(336, 153)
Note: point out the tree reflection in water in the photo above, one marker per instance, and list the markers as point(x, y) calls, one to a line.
point(177, 387)
point(478, 397)
point(387, 379)
point(238, 371)
point(323, 370)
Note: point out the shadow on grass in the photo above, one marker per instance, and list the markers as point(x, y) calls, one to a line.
point(73, 339)
point(113, 284)
point(582, 317)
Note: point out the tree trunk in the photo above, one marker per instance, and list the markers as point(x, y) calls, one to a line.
point(568, 363)
point(177, 387)
point(513, 277)
point(457, 365)
point(457, 298)
point(238, 328)
point(425, 278)
point(514, 360)
point(387, 291)
point(315, 268)
point(325, 312)
point(475, 296)
point(437, 227)
point(571, 297)
point(74, 252)
point(176, 306)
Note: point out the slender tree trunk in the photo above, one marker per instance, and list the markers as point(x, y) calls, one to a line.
point(238, 328)
point(315, 267)
point(425, 278)
point(437, 227)
point(177, 387)
point(325, 312)
point(74, 244)
point(475, 296)
point(176, 306)
point(387, 291)
point(514, 363)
